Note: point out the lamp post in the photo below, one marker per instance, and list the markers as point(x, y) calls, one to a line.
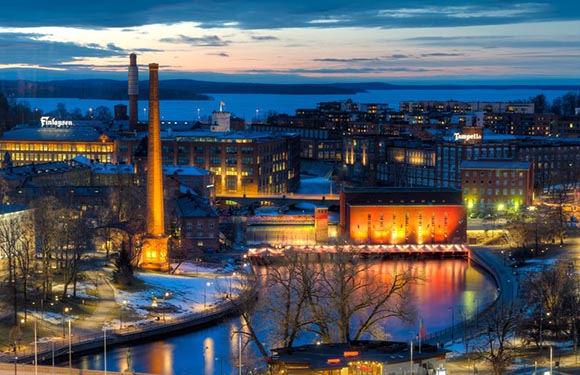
point(35, 349)
point(221, 364)
point(121, 313)
point(52, 342)
point(239, 332)
point(65, 313)
point(205, 294)
point(165, 296)
point(69, 347)
point(105, 349)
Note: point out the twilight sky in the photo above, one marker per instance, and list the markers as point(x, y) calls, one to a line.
point(405, 41)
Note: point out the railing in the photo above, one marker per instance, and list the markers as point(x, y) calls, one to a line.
point(20, 368)
point(130, 331)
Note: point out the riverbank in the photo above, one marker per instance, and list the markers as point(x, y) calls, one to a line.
point(164, 305)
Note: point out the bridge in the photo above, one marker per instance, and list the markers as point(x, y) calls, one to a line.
point(325, 200)
point(426, 251)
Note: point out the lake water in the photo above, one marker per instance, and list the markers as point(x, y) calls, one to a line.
point(258, 106)
point(453, 290)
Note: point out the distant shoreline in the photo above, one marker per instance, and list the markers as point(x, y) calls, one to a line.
point(202, 90)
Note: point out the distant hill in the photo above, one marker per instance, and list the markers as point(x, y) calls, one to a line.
point(173, 89)
point(187, 89)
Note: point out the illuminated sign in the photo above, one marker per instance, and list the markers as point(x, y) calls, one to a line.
point(467, 137)
point(333, 360)
point(351, 354)
point(51, 122)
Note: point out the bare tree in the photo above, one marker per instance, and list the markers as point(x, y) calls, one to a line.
point(552, 296)
point(75, 235)
point(352, 300)
point(291, 286)
point(47, 218)
point(499, 349)
point(338, 298)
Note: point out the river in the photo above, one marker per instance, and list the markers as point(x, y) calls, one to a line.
point(454, 290)
point(252, 107)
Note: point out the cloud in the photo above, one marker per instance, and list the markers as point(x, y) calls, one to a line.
point(351, 60)
point(264, 38)
point(22, 48)
point(338, 71)
point(442, 54)
point(204, 41)
point(259, 14)
point(220, 54)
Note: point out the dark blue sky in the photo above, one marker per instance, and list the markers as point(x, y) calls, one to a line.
point(295, 41)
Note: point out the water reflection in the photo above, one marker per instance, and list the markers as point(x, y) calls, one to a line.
point(453, 290)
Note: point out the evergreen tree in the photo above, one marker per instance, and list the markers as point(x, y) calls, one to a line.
point(123, 273)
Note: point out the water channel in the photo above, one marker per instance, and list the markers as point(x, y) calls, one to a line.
point(454, 290)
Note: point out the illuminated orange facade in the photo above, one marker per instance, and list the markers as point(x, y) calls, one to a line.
point(395, 216)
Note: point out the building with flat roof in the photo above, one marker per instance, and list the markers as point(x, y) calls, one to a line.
point(357, 358)
point(56, 143)
point(397, 216)
point(499, 184)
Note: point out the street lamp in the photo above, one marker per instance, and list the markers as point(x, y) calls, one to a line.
point(35, 349)
point(65, 313)
point(121, 313)
point(221, 364)
point(69, 348)
point(239, 333)
point(165, 296)
point(205, 294)
point(105, 349)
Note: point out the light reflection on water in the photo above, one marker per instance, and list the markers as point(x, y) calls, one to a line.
point(453, 290)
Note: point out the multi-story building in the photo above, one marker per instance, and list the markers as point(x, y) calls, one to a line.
point(56, 141)
point(322, 129)
point(497, 184)
point(242, 162)
point(454, 106)
point(437, 162)
point(397, 216)
point(197, 225)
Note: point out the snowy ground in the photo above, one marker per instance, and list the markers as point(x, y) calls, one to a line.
point(172, 296)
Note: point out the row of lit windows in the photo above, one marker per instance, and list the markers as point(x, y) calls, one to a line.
point(65, 147)
point(497, 173)
point(490, 191)
point(497, 182)
point(48, 157)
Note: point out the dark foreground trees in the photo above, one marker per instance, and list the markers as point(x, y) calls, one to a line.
point(332, 298)
point(498, 348)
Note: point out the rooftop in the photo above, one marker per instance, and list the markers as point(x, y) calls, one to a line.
point(495, 164)
point(328, 356)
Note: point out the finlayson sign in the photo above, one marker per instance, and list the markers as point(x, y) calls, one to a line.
point(51, 122)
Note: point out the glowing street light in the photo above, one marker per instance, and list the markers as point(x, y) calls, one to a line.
point(66, 311)
point(121, 314)
point(205, 294)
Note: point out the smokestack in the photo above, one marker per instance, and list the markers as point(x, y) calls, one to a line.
point(155, 215)
point(133, 92)
point(154, 247)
